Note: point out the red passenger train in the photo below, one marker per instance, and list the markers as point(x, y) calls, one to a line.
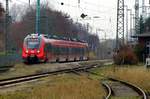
point(45, 48)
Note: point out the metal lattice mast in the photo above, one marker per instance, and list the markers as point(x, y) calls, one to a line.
point(137, 16)
point(143, 8)
point(29, 2)
point(38, 17)
point(6, 25)
point(120, 24)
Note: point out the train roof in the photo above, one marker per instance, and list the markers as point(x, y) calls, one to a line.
point(54, 37)
point(65, 42)
point(63, 38)
point(60, 41)
point(33, 36)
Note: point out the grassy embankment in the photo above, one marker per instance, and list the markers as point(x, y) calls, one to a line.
point(137, 75)
point(67, 86)
point(21, 69)
point(70, 86)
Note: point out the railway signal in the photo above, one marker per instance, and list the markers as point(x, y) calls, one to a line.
point(83, 15)
point(62, 3)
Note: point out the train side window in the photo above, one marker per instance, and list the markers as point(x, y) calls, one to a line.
point(84, 51)
point(69, 50)
point(57, 50)
point(73, 51)
point(54, 49)
point(77, 51)
point(61, 50)
point(81, 51)
point(65, 50)
point(49, 48)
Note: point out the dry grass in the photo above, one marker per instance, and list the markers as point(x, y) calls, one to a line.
point(138, 75)
point(22, 69)
point(61, 87)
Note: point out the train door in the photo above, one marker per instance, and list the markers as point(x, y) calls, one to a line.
point(48, 51)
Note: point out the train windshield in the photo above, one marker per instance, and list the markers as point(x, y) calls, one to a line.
point(33, 43)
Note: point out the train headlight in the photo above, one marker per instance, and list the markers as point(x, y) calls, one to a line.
point(38, 51)
point(27, 51)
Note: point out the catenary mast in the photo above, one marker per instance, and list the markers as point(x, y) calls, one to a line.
point(38, 17)
point(120, 24)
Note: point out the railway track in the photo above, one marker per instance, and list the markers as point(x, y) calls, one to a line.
point(121, 89)
point(115, 88)
point(118, 88)
point(22, 79)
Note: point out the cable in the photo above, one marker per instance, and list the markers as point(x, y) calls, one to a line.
point(81, 7)
point(93, 4)
point(21, 1)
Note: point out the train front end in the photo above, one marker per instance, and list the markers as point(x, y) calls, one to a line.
point(32, 49)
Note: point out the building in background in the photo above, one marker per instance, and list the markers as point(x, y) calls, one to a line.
point(144, 40)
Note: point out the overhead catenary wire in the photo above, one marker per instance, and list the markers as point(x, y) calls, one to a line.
point(86, 10)
point(97, 5)
point(20, 1)
point(76, 6)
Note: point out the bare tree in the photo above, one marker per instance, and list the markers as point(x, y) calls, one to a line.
point(16, 11)
point(1, 10)
point(52, 23)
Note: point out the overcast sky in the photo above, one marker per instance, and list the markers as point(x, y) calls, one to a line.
point(104, 9)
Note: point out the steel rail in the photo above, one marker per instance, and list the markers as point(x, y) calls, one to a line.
point(133, 86)
point(109, 90)
point(21, 79)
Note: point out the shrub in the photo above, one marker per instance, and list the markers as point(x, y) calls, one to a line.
point(92, 55)
point(125, 55)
